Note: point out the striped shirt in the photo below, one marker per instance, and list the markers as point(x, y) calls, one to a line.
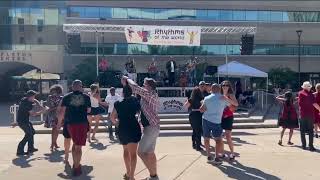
point(149, 104)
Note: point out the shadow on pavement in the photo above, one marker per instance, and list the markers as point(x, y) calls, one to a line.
point(98, 145)
point(86, 170)
point(238, 141)
point(236, 170)
point(54, 156)
point(23, 161)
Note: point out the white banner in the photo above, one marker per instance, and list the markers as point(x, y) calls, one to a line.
point(172, 105)
point(164, 35)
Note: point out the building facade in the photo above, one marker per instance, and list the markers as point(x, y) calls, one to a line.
point(35, 28)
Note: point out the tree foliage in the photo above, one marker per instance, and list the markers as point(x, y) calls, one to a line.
point(282, 77)
point(86, 72)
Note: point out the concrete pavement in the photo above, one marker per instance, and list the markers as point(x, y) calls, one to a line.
point(259, 158)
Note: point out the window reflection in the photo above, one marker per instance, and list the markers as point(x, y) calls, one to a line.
point(120, 13)
point(264, 16)
point(251, 15)
point(226, 15)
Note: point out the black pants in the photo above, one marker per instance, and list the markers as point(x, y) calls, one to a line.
point(306, 126)
point(195, 118)
point(171, 78)
point(28, 137)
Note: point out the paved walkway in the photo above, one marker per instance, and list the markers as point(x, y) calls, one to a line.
point(260, 158)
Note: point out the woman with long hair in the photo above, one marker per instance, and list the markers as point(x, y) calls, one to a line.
point(96, 110)
point(288, 118)
point(317, 115)
point(51, 121)
point(195, 117)
point(227, 116)
point(124, 114)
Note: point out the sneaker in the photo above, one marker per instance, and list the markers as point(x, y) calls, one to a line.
point(312, 149)
point(232, 157)
point(33, 150)
point(317, 136)
point(210, 159)
point(76, 171)
point(199, 148)
point(22, 153)
point(304, 147)
point(217, 161)
point(152, 178)
point(280, 143)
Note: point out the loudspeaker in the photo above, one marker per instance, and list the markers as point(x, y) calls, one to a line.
point(73, 43)
point(211, 70)
point(247, 42)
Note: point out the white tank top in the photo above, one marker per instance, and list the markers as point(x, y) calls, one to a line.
point(94, 101)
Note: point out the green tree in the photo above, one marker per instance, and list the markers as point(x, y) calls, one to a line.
point(282, 77)
point(86, 72)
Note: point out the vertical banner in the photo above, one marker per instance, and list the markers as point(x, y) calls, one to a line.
point(164, 35)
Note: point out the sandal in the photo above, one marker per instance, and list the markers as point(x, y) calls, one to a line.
point(126, 177)
point(232, 157)
point(290, 143)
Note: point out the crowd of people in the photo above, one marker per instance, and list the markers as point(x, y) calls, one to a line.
point(137, 124)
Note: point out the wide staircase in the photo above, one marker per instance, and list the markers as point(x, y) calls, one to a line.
point(179, 123)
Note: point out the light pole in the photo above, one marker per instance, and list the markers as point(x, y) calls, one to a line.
point(299, 32)
point(97, 54)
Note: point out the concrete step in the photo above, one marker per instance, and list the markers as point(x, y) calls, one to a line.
point(180, 127)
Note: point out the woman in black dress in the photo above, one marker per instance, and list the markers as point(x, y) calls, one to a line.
point(129, 129)
point(195, 117)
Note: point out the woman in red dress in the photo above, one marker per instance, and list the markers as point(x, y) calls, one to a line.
point(288, 117)
point(317, 115)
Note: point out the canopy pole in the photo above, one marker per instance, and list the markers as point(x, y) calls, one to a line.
point(226, 55)
point(267, 91)
point(97, 54)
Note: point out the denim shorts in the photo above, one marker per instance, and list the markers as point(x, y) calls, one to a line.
point(211, 129)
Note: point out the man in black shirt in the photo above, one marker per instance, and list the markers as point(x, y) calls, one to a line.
point(25, 110)
point(74, 109)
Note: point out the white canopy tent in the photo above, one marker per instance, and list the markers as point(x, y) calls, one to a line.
point(236, 69)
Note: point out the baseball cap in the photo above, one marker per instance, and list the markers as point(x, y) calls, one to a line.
point(31, 93)
point(202, 83)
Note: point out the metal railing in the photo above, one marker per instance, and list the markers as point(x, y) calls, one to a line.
point(35, 120)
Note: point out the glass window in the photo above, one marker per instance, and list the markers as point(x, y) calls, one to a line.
point(121, 49)
point(120, 13)
point(92, 12)
point(35, 15)
point(62, 15)
point(276, 16)
point(202, 14)
point(21, 24)
point(238, 15)
point(12, 15)
point(40, 25)
point(108, 48)
point(22, 40)
point(161, 13)
point(215, 49)
point(147, 13)
point(186, 50)
point(214, 15)
point(285, 16)
point(251, 15)
point(51, 16)
point(174, 50)
point(200, 50)
point(188, 14)
point(264, 16)
point(234, 49)
point(144, 49)
point(134, 49)
point(23, 13)
point(163, 50)
point(134, 13)
point(174, 13)
point(154, 50)
point(105, 12)
point(226, 15)
point(40, 40)
point(76, 12)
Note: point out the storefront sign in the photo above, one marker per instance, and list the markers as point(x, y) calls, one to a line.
point(15, 56)
point(164, 35)
point(172, 104)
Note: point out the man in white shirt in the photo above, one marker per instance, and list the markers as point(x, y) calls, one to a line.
point(111, 99)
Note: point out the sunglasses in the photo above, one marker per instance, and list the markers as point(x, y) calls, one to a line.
point(225, 85)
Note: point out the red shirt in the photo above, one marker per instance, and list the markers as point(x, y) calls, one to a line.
point(316, 112)
point(306, 101)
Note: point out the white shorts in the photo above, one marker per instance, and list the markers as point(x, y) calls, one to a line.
point(148, 141)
